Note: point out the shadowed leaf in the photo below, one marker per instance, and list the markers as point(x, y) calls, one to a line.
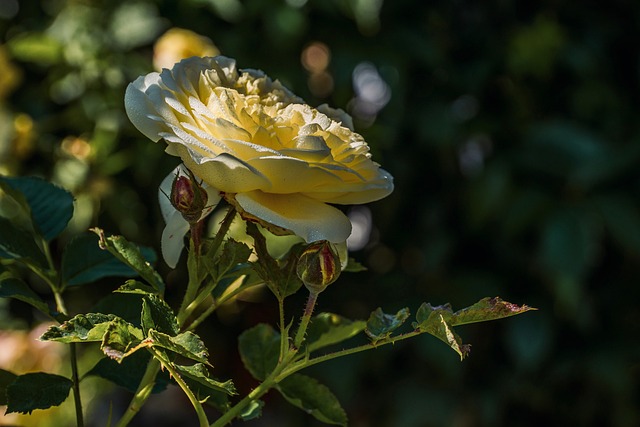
point(381, 325)
point(36, 391)
point(259, 350)
point(314, 398)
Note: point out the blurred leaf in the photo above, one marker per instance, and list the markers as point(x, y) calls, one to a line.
point(35, 47)
point(51, 206)
point(131, 255)
point(126, 306)
point(157, 315)
point(313, 398)
point(186, 344)
point(535, 49)
point(129, 372)
point(36, 390)
point(135, 24)
point(18, 244)
point(80, 328)
point(568, 243)
point(200, 374)
point(259, 350)
point(12, 287)
point(354, 266)
point(328, 328)
point(6, 378)
point(84, 262)
point(622, 218)
point(381, 325)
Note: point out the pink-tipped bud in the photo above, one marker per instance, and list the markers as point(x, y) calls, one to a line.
point(189, 198)
point(318, 266)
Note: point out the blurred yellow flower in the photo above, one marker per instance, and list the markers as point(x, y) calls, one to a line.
point(10, 75)
point(177, 44)
point(275, 158)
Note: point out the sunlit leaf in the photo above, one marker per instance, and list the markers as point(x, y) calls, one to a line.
point(314, 398)
point(122, 339)
point(81, 328)
point(186, 344)
point(327, 328)
point(381, 325)
point(252, 411)
point(36, 390)
point(259, 350)
point(156, 314)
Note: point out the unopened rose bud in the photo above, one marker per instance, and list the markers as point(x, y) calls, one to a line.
point(189, 198)
point(318, 266)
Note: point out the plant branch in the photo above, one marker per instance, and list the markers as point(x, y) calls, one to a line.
point(306, 317)
point(142, 393)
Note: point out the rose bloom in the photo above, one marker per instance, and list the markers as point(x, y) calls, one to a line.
point(276, 159)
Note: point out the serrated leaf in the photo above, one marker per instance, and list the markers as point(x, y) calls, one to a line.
point(129, 372)
point(314, 398)
point(232, 254)
point(437, 323)
point(252, 411)
point(135, 287)
point(12, 287)
point(131, 255)
point(157, 315)
point(200, 374)
point(6, 378)
point(259, 350)
point(381, 325)
point(487, 309)
point(186, 344)
point(81, 328)
point(36, 391)
point(122, 339)
point(84, 262)
point(328, 329)
point(17, 243)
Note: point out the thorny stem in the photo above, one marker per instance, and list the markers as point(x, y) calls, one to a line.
point(306, 317)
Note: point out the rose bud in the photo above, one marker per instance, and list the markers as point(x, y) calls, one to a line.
point(318, 266)
point(189, 198)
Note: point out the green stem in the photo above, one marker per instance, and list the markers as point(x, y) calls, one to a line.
point(76, 385)
point(305, 363)
point(284, 333)
point(202, 417)
point(306, 317)
point(142, 393)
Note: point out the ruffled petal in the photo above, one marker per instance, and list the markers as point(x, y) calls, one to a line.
point(173, 239)
point(139, 108)
point(308, 218)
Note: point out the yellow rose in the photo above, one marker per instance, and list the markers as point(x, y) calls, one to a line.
point(247, 136)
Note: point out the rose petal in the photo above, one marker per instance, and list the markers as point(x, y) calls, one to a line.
point(173, 239)
point(308, 218)
point(138, 106)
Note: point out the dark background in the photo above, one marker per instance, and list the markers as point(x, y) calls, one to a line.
point(512, 131)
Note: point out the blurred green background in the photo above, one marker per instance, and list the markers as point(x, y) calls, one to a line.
point(512, 130)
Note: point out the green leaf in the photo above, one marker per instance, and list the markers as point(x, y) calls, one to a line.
point(129, 372)
point(354, 266)
point(381, 325)
point(439, 320)
point(122, 339)
point(232, 254)
point(81, 328)
point(126, 306)
point(487, 309)
point(12, 287)
point(328, 329)
point(156, 314)
point(187, 344)
point(6, 378)
point(84, 262)
point(17, 243)
point(314, 398)
point(259, 350)
point(51, 206)
point(252, 411)
point(200, 374)
point(131, 255)
point(135, 287)
point(36, 391)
